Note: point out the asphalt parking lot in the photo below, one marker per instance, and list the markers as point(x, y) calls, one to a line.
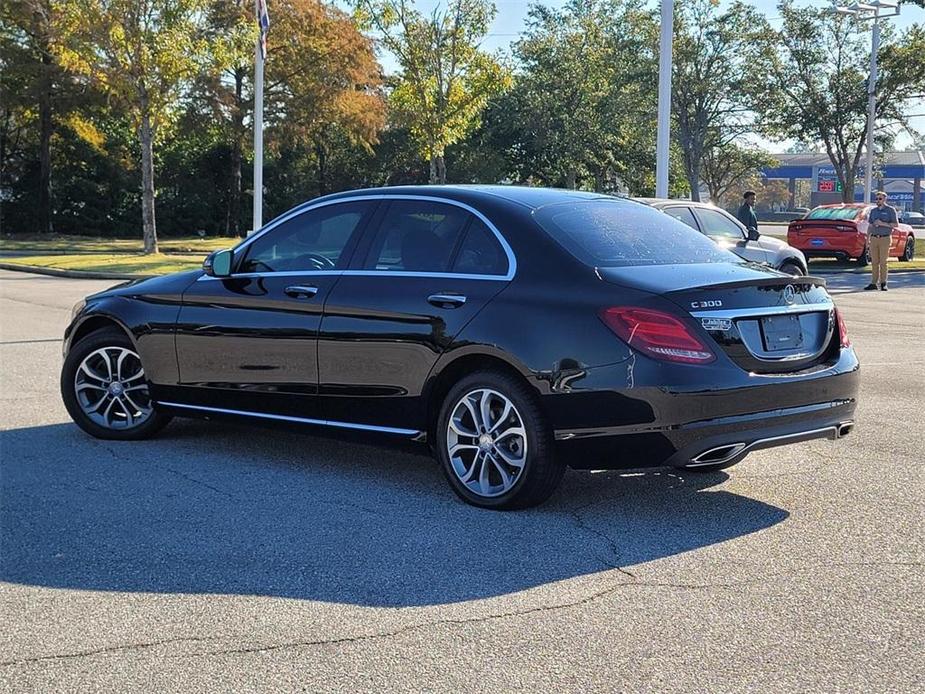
point(217, 558)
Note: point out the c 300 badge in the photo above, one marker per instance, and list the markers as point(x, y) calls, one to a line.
point(706, 304)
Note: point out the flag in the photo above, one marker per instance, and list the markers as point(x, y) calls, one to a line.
point(263, 20)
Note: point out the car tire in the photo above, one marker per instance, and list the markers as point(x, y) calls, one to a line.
point(863, 260)
point(790, 267)
point(105, 391)
point(909, 251)
point(485, 466)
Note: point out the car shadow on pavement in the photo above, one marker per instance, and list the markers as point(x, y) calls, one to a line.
point(852, 282)
point(211, 508)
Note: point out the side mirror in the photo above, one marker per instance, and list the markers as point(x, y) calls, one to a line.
point(218, 263)
point(753, 235)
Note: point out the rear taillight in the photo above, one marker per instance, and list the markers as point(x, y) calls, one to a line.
point(656, 334)
point(842, 330)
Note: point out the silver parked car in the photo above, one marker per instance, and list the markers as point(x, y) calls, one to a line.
point(732, 235)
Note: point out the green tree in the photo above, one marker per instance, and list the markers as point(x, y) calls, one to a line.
point(31, 25)
point(725, 166)
point(141, 53)
point(445, 79)
point(579, 114)
point(816, 87)
point(715, 56)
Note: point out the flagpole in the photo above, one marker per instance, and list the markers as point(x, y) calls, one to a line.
point(258, 128)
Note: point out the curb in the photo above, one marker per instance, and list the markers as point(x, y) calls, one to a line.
point(73, 274)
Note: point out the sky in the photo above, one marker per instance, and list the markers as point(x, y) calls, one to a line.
point(511, 20)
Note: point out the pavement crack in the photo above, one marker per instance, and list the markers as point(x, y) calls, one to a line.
point(611, 543)
point(105, 650)
point(200, 483)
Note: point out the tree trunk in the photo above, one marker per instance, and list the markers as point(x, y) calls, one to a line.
point(571, 177)
point(693, 178)
point(441, 169)
point(322, 153)
point(432, 179)
point(146, 136)
point(45, 132)
point(233, 223)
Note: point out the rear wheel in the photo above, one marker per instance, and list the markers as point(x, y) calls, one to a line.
point(909, 251)
point(105, 391)
point(789, 267)
point(494, 444)
point(864, 259)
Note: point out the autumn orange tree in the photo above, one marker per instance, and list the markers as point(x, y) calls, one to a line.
point(322, 78)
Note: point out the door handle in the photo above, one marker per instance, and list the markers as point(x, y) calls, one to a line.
point(446, 300)
point(301, 291)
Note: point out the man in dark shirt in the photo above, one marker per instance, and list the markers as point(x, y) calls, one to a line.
point(746, 213)
point(881, 220)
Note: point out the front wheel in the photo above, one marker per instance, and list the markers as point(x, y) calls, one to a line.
point(909, 251)
point(105, 391)
point(494, 444)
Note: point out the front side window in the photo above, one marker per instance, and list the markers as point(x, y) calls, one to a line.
point(312, 240)
point(717, 224)
point(417, 236)
point(618, 233)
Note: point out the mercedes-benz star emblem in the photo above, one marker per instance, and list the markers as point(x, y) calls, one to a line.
point(789, 293)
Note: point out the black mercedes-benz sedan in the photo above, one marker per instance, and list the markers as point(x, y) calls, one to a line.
point(516, 331)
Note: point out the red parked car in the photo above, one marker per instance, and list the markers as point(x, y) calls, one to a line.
point(840, 231)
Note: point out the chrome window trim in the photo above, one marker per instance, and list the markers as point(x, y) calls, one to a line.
point(763, 311)
point(356, 273)
point(508, 251)
point(301, 420)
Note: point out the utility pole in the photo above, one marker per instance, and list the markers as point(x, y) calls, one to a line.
point(663, 131)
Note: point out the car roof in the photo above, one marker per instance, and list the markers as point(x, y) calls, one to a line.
point(665, 202)
point(856, 205)
point(523, 195)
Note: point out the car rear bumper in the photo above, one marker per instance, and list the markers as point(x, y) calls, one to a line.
point(681, 427)
point(845, 246)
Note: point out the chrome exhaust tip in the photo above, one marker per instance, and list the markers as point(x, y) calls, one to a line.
point(717, 455)
point(845, 428)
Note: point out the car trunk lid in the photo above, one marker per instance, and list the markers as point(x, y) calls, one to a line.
point(763, 321)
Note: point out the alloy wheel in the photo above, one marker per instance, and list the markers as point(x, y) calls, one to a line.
point(486, 442)
point(111, 389)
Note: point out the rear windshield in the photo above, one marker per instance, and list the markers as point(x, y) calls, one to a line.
point(834, 213)
point(618, 233)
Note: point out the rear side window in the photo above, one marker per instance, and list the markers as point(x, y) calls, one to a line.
point(682, 214)
point(615, 233)
point(417, 236)
point(480, 252)
point(834, 213)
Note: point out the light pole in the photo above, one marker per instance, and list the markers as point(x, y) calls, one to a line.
point(864, 12)
point(664, 99)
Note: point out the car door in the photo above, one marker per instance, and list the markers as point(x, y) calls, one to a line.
point(730, 234)
point(424, 270)
point(248, 342)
